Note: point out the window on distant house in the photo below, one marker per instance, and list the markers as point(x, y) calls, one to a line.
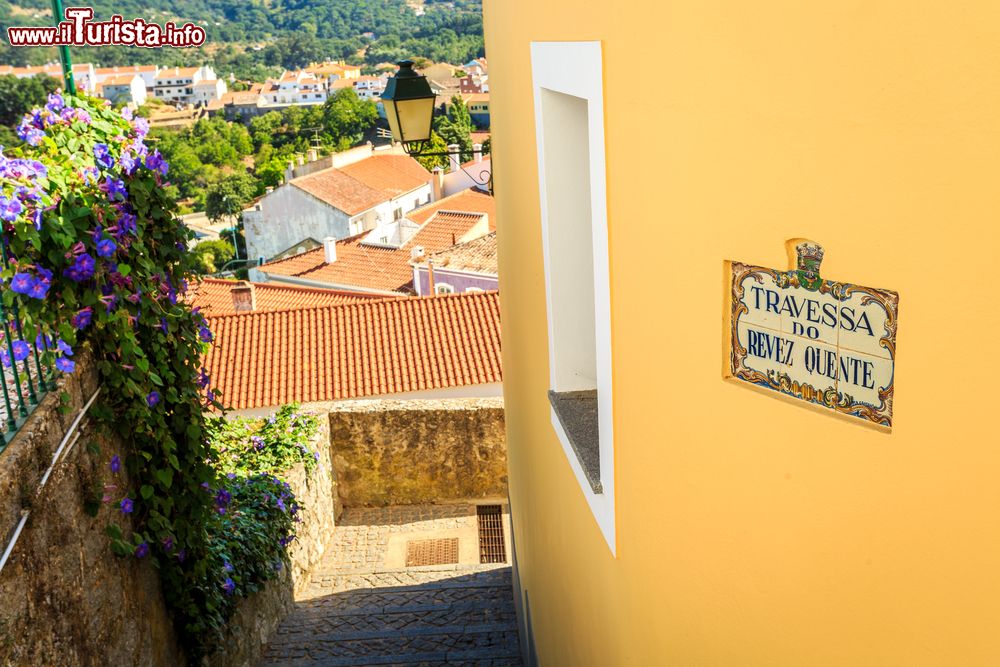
point(443, 288)
point(397, 214)
point(569, 124)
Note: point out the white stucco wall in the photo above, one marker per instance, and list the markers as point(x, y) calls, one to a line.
point(383, 213)
point(287, 216)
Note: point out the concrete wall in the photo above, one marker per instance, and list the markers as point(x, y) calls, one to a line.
point(407, 452)
point(287, 216)
point(750, 529)
point(65, 599)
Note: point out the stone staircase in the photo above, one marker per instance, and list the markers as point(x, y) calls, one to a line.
point(370, 615)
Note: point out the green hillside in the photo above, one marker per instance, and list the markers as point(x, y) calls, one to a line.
point(252, 34)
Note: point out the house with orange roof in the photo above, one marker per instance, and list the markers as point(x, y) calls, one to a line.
point(147, 72)
point(295, 88)
point(405, 348)
point(332, 71)
point(465, 267)
point(379, 261)
point(84, 74)
point(339, 202)
point(214, 296)
point(188, 85)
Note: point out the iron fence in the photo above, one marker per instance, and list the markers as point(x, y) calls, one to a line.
point(26, 379)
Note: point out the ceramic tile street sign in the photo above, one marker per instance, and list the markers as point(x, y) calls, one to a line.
point(828, 343)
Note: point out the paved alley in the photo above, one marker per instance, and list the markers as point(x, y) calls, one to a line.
point(375, 600)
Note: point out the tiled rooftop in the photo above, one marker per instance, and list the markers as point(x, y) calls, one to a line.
point(478, 256)
point(377, 267)
point(358, 187)
point(215, 297)
point(351, 351)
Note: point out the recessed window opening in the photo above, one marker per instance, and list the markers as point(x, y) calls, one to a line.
point(573, 344)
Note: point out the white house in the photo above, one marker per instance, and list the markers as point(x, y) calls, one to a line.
point(295, 88)
point(178, 84)
point(127, 88)
point(320, 201)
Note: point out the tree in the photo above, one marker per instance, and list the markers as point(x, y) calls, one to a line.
point(211, 256)
point(17, 96)
point(435, 145)
point(456, 127)
point(228, 196)
point(347, 117)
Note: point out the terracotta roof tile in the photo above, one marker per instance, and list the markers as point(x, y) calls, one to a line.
point(365, 184)
point(351, 351)
point(478, 256)
point(214, 296)
point(444, 223)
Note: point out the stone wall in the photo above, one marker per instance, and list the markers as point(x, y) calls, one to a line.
point(258, 616)
point(389, 452)
point(65, 599)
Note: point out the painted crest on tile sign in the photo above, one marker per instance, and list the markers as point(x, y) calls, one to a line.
point(825, 342)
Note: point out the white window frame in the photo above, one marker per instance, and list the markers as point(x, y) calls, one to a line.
point(576, 68)
point(474, 290)
point(443, 288)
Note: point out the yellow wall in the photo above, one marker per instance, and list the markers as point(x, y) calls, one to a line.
point(751, 530)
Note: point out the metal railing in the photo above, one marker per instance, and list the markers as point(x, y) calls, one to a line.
point(25, 379)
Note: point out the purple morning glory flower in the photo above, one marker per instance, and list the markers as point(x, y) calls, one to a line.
point(10, 209)
point(168, 543)
point(222, 497)
point(56, 103)
point(126, 505)
point(36, 218)
point(102, 155)
point(141, 126)
point(65, 365)
point(30, 135)
point(115, 187)
point(142, 550)
point(153, 398)
point(106, 248)
point(127, 113)
point(116, 463)
point(82, 269)
point(229, 587)
point(38, 290)
point(126, 224)
point(82, 318)
point(258, 442)
point(203, 379)
point(63, 347)
point(205, 334)
point(128, 163)
point(5, 357)
point(155, 162)
point(182, 555)
point(22, 282)
point(21, 350)
point(227, 566)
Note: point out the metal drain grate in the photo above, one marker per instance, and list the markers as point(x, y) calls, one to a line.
point(491, 542)
point(432, 552)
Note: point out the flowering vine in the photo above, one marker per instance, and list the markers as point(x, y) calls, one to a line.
point(94, 253)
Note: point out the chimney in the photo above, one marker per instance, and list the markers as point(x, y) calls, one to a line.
point(269, 189)
point(477, 152)
point(290, 171)
point(437, 183)
point(312, 155)
point(454, 160)
point(330, 250)
point(244, 297)
point(301, 160)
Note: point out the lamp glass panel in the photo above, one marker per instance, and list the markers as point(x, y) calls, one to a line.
point(413, 118)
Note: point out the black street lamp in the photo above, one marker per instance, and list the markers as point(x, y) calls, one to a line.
point(409, 108)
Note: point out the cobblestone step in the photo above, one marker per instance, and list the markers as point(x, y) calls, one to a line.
point(454, 645)
point(428, 620)
point(396, 580)
point(488, 602)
